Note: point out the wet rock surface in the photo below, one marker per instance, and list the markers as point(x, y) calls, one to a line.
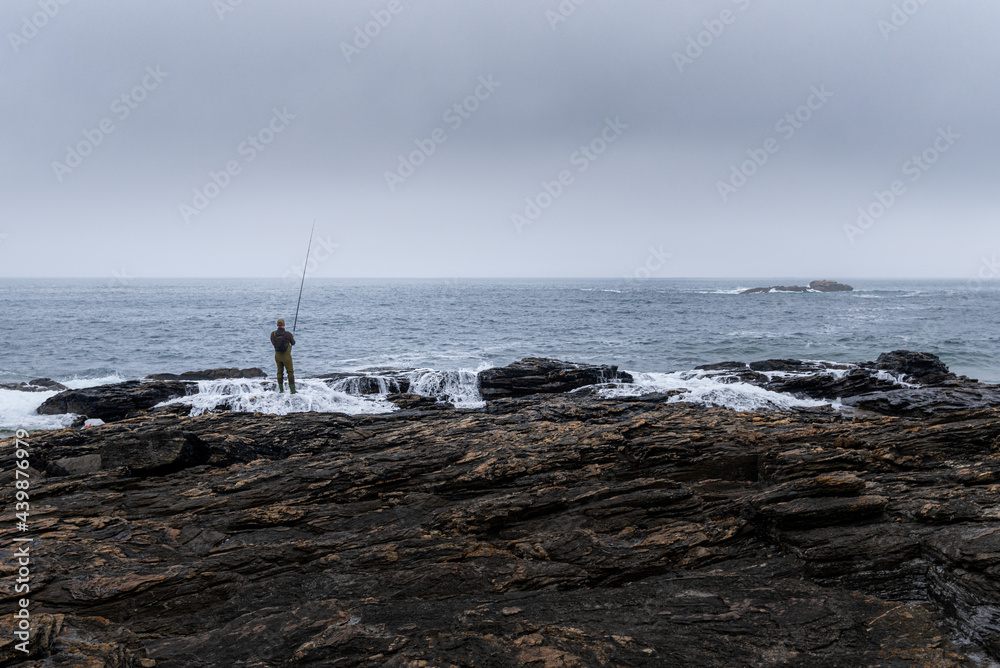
point(538, 375)
point(554, 530)
point(379, 381)
point(899, 383)
point(37, 385)
point(113, 402)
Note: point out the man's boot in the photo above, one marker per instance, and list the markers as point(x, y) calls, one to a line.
point(281, 387)
point(291, 387)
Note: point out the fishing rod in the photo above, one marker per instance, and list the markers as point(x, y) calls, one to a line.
point(302, 284)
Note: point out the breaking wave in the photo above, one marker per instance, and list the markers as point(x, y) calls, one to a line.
point(262, 396)
point(17, 408)
point(353, 394)
point(708, 388)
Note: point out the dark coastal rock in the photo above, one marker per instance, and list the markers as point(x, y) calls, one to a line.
point(555, 530)
point(796, 366)
point(113, 402)
point(37, 385)
point(538, 375)
point(815, 286)
point(828, 386)
point(417, 401)
point(804, 378)
point(926, 401)
point(77, 641)
point(734, 372)
point(210, 374)
point(922, 368)
point(74, 465)
point(905, 392)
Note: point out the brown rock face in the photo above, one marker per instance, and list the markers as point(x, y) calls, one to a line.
point(557, 530)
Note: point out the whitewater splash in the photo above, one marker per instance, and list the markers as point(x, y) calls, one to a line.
point(708, 388)
point(354, 395)
point(367, 392)
point(17, 408)
point(262, 396)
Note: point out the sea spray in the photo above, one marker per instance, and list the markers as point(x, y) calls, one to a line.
point(708, 389)
point(260, 396)
point(18, 409)
point(460, 388)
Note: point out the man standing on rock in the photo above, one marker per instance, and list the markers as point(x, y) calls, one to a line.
point(283, 342)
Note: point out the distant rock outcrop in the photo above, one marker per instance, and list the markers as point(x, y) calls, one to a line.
point(830, 286)
point(815, 286)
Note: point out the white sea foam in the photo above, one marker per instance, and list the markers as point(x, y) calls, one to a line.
point(17, 411)
point(706, 388)
point(458, 387)
point(343, 396)
point(355, 384)
point(894, 378)
point(17, 408)
point(261, 396)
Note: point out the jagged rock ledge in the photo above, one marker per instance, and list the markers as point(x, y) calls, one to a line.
point(899, 383)
point(550, 530)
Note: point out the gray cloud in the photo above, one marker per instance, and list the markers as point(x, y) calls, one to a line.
point(656, 186)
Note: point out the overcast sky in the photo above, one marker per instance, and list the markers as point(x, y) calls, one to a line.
point(680, 138)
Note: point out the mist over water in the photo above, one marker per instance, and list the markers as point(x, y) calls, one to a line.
point(79, 329)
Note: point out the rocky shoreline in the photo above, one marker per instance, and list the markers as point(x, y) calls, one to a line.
point(552, 527)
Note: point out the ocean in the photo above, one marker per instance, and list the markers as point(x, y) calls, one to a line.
point(91, 331)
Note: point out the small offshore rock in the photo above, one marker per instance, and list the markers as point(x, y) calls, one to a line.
point(815, 286)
